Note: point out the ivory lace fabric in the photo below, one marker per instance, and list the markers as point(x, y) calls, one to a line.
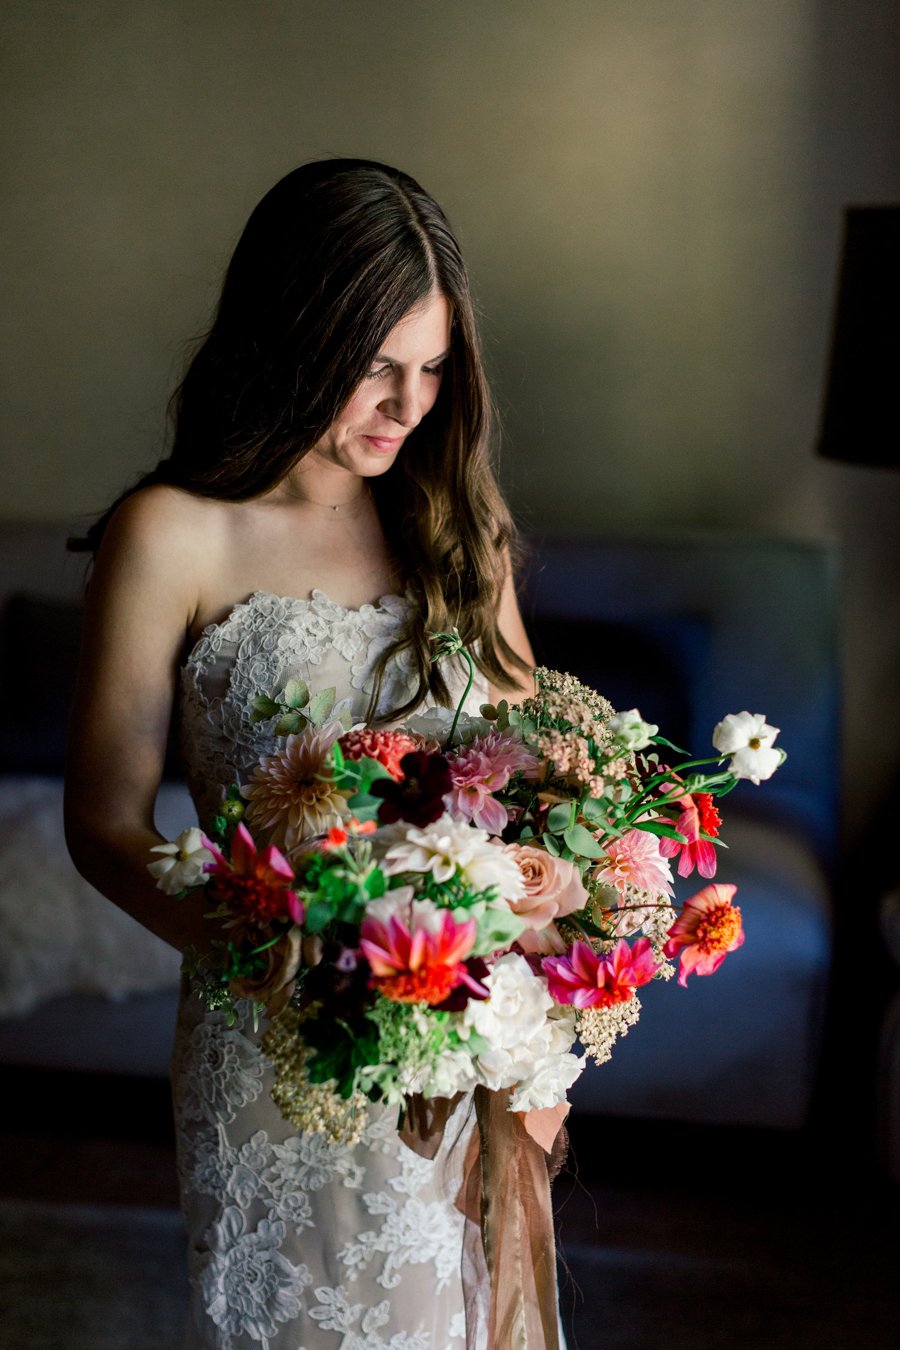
point(296, 1243)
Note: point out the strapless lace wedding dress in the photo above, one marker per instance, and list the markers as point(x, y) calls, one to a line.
point(296, 1243)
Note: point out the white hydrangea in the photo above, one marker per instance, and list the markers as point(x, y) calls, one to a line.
point(435, 723)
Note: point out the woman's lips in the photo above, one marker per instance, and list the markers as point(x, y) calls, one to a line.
point(384, 444)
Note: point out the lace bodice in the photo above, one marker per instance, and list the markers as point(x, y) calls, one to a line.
point(265, 641)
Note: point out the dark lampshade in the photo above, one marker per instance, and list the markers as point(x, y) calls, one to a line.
point(861, 415)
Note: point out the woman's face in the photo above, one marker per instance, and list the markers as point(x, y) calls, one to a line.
point(400, 388)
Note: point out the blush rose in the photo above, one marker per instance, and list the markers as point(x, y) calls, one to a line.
point(553, 887)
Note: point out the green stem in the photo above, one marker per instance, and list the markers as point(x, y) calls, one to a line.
point(459, 708)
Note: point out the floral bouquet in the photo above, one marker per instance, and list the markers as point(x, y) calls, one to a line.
point(464, 902)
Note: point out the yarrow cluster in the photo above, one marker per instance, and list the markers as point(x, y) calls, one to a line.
point(461, 902)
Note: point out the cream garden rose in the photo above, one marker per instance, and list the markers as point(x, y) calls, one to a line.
point(552, 886)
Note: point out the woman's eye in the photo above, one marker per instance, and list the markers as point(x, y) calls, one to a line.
point(377, 372)
point(434, 370)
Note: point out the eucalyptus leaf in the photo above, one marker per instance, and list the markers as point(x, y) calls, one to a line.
point(290, 724)
point(582, 842)
point(550, 844)
point(595, 810)
point(495, 928)
point(263, 708)
point(296, 693)
point(320, 706)
point(558, 816)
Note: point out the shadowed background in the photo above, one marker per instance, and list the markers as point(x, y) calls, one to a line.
point(648, 195)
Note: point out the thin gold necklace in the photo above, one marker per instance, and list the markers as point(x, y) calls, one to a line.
point(327, 506)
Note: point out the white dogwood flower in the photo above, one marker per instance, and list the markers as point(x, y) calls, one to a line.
point(748, 739)
point(182, 863)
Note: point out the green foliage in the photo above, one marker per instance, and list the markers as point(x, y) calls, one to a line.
point(296, 693)
point(559, 817)
point(582, 842)
point(496, 928)
point(320, 706)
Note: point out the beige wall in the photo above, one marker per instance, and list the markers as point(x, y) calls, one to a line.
point(648, 192)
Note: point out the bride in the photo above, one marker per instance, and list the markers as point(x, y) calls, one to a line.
point(328, 504)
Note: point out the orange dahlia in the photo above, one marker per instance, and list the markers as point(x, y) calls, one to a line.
point(388, 747)
point(707, 929)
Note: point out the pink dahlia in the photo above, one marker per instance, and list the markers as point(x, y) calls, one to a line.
point(255, 884)
point(698, 815)
point(589, 980)
point(417, 962)
point(388, 747)
point(292, 796)
point(480, 769)
point(706, 930)
point(635, 861)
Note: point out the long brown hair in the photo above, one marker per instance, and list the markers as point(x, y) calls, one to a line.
point(331, 259)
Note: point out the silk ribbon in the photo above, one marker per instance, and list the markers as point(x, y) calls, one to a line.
point(509, 1250)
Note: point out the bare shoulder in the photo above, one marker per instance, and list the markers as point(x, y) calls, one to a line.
point(164, 538)
point(165, 521)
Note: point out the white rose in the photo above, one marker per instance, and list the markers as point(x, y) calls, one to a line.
point(631, 731)
point(548, 1084)
point(516, 1011)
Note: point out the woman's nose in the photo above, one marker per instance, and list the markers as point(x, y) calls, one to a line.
point(404, 402)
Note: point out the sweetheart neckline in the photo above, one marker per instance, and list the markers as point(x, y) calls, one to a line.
point(316, 593)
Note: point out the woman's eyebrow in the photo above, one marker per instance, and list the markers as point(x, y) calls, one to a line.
point(382, 359)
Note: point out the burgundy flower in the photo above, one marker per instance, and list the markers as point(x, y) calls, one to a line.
point(419, 796)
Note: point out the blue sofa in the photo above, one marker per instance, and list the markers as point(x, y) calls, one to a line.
point(688, 628)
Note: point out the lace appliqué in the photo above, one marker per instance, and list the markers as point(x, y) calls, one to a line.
point(248, 1286)
point(264, 642)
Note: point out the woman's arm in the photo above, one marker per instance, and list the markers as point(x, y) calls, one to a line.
point(509, 621)
point(141, 601)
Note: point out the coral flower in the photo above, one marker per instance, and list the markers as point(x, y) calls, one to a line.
point(388, 747)
point(419, 961)
point(708, 928)
point(588, 980)
point(254, 884)
point(292, 796)
point(635, 860)
point(698, 815)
